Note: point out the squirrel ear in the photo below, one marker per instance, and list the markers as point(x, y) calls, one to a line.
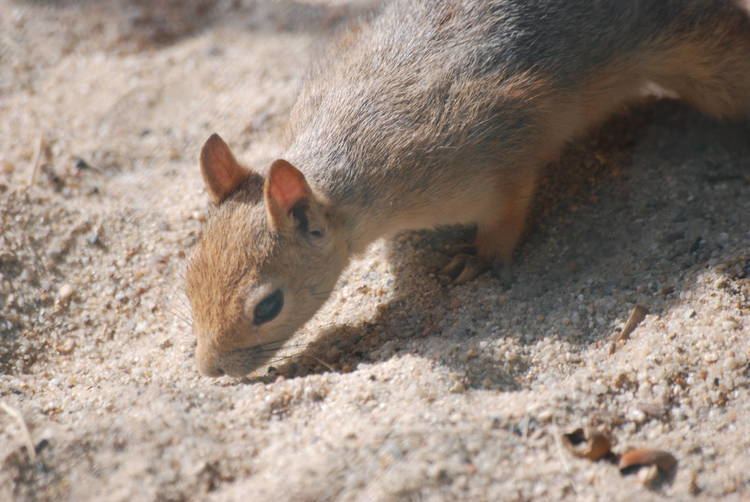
point(222, 174)
point(285, 187)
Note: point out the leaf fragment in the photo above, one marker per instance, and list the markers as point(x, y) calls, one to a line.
point(652, 466)
point(588, 443)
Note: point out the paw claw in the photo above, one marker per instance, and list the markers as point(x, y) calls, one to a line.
point(464, 268)
point(454, 266)
point(472, 269)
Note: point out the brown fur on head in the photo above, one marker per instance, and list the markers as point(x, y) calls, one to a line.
point(268, 258)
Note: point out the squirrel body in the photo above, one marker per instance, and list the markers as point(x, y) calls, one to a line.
point(435, 113)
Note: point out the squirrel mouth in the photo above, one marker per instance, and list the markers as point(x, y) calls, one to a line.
point(239, 362)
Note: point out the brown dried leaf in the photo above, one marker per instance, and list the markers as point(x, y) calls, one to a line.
point(588, 443)
point(661, 465)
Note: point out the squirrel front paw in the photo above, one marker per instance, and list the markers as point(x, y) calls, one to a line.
point(464, 266)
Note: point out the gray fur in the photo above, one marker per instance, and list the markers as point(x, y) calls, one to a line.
point(392, 110)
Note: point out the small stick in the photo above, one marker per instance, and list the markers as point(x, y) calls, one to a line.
point(14, 413)
point(330, 368)
point(37, 160)
point(637, 315)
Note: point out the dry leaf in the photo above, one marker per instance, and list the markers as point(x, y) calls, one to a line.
point(660, 465)
point(588, 443)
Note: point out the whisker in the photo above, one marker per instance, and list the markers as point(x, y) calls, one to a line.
point(297, 356)
point(276, 349)
point(319, 361)
point(178, 306)
point(180, 317)
point(179, 300)
point(271, 350)
point(279, 343)
point(177, 313)
point(180, 312)
point(283, 345)
point(280, 359)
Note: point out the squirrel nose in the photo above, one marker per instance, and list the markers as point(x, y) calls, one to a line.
point(215, 372)
point(210, 369)
point(208, 364)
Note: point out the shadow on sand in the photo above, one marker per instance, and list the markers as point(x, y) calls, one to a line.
point(632, 215)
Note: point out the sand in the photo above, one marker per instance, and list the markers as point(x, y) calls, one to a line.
point(403, 387)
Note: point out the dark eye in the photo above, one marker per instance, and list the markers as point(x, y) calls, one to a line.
point(268, 308)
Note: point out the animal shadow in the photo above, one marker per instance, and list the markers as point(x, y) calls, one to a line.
point(632, 215)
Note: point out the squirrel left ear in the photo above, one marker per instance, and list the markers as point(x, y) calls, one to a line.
point(222, 174)
point(285, 188)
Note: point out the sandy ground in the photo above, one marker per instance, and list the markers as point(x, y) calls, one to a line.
point(403, 387)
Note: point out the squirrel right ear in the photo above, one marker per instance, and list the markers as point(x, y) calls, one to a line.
point(222, 174)
point(284, 189)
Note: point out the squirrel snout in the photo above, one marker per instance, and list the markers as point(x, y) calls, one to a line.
point(208, 364)
point(210, 370)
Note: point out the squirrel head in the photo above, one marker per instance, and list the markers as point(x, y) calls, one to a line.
point(268, 258)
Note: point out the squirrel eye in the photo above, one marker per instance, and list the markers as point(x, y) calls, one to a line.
point(268, 308)
point(316, 233)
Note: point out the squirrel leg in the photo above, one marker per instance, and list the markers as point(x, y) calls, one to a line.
point(497, 235)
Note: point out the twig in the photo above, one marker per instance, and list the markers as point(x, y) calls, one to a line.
point(637, 315)
point(24, 429)
point(37, 160)
point(332, 370)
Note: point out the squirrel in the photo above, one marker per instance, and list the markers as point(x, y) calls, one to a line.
point(435, 112)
